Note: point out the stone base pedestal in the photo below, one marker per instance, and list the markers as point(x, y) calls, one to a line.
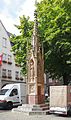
point(35, 99)
point(27, 109)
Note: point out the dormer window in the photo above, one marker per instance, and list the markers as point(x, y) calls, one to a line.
point(4, 42)
point(4, 59)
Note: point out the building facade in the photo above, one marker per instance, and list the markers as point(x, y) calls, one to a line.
point(9, 70)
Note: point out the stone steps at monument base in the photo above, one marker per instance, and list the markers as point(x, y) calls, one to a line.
point(40, 108)
point(32, 112)
point(32, 109)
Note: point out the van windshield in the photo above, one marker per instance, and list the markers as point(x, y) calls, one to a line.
point(3, 91)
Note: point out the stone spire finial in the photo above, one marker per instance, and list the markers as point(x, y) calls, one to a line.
point(35, 30)
point(35, 16)
point(35, 2)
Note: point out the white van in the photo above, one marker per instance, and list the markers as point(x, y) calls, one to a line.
point(13, 95)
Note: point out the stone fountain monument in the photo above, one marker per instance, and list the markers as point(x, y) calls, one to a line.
point(35, 82)
point(36, 69)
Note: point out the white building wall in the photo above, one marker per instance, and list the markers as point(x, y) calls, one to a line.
point(7, 50)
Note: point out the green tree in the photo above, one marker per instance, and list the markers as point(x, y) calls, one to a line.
point(54, 17)
point(22, 42)
point(55, 30)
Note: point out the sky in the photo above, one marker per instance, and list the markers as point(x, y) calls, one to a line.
point(10, 10)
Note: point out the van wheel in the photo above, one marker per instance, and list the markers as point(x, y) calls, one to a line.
point(9, 105)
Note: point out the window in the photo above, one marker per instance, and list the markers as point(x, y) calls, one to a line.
point(4, 57)
point(9, 58)
point(3, 91)
point(17, 74)
point(9, 73)
point(21, 76)
point(4, 42)
point(4, 72)
point(14, 92)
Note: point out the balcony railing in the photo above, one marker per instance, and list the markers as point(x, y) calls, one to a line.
point(17, 78)
point(4, 61)
point(21, 78)
point(10, 77)
point(4, 76)
point(9, 62)
point(17, 65)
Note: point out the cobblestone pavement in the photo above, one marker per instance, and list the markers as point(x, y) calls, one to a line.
point(9, 115)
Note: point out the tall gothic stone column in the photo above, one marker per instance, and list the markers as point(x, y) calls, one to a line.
point(36, 69)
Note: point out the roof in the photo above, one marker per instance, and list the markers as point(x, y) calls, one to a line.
point(8, 33)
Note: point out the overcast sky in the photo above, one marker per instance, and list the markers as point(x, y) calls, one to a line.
point(10, 10)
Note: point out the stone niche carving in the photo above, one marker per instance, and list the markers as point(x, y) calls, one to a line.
point(31, 89)
point(31, 70)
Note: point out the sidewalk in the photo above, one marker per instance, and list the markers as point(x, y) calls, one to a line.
point(9, 115)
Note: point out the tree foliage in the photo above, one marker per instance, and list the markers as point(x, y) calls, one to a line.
point(54, 17)
point(55, 29)
point(22, 41)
